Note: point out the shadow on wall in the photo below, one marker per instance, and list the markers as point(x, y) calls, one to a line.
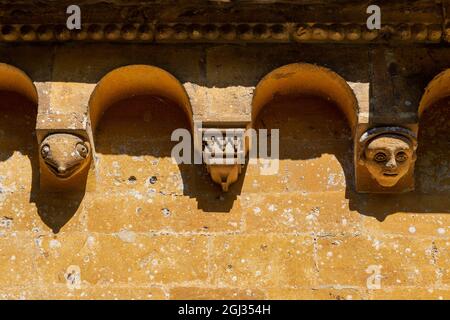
point(21, 174)
point(209, 65)
point(17, 122)
point(433, 162)
point(312, 128)
point(432, 172)
point(134, 153)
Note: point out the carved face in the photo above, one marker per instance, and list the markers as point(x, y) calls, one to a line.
point(389, 158)
point(65, 154)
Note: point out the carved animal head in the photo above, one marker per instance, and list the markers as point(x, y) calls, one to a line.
point(65, 154)
point(388, 157)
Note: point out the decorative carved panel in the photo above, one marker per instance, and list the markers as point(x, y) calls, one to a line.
point(224, 152)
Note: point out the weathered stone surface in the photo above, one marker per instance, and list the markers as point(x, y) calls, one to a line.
point(262, 261)
point(121, 258)
point(17, 258)
point(193, 293)
point(404, 261)
point(316, 294)
point(319, 213)
point(146, 228)
point(410, 294)
point(61, 292)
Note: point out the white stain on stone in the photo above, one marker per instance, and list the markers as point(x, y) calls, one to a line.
point(54, 244)
point(313, 214)
point(127, 236)
point(73, 277)
point(257, 211)
point(90, 241)
point(136, 194)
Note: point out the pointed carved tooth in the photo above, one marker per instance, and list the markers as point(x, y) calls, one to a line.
point(435, 32)
point(320, 32)
point(403, 32)
point(195, 32)
point(353, 32)
point(180, 32)
point(112, 32)
point(419, 32)
point(95, 32)
point(164, 32)
point(144, 32)
point(211, 32)
point(228, 32)
point(278, 32)
point(62, 33)
point(45, 33)
point(9, 33)
point(80, 34)
point(336, 33)
point(245, 32)
point(370, 35)
point(28, 33)
point(262, 32)
point(128, 32)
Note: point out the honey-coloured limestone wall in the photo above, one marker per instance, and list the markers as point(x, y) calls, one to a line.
point(146, 228)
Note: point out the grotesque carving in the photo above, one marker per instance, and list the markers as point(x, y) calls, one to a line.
point(388, 154)
point(224, 154)
point(65, 154)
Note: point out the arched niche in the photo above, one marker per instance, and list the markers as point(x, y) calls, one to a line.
point(133, 112)
point(15, 80)
point(314, 111)
point(432, 174)
point(132, 81)
point(18, 111)
point(309, 80)
point(437, 89)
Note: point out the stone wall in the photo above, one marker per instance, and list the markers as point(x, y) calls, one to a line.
point(147, 228)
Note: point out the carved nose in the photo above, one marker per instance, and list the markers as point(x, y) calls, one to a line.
point(392, 164)
point(62, 169)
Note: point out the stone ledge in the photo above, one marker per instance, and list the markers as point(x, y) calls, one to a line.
point(233, 32)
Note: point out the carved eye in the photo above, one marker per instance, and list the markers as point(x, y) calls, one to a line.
point(45, 151)
point(401, 157)
point(82, 150)
point(380, 157)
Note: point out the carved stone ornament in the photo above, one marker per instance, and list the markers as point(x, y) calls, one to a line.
point(65, 154)
point(224, 154)
point(388, 153)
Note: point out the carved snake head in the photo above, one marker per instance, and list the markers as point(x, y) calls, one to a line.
point(65, 154)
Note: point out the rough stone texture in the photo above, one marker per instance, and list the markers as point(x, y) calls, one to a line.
point(146, 228)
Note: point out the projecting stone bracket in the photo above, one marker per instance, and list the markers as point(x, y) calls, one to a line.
point(224, 152)
point(384, 158)
point(65, 151)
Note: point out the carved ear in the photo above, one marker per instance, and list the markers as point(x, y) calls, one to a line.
point(361, 161)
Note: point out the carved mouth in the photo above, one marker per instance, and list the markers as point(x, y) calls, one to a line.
point(66, 174)
point(388, 174)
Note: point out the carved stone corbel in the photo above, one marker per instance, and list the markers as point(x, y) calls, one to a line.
point(385, 160)
point(65, 152)
point(224, 151)
point(384, 154)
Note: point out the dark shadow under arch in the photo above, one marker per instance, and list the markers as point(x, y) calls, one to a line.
point(311, 127)
point(140, 128)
